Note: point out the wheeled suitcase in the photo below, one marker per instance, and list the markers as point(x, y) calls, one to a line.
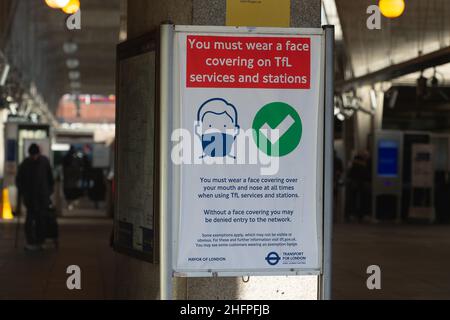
point(51, 229)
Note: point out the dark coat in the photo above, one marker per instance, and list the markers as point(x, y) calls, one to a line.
point(35, 182)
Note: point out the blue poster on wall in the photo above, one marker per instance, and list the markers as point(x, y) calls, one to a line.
point(387, 158)
point(11, 150)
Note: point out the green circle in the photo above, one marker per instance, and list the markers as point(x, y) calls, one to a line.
point(285, 119)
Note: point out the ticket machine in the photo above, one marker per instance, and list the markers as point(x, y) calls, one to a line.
point(422, 183)
point(441, 156)
point(387, 175)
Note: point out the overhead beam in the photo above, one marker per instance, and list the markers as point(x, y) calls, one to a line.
point(420, 63)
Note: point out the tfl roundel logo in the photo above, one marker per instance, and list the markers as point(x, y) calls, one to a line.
point(273, 258)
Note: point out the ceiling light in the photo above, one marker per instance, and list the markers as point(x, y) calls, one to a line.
point(13, 107)
point(422, 87)
point(393, 95)
point(373, 99)
point(391, 8)
point(75, 85)
point(74, 75)
point(72, 7)
point(57, 4)
point(4, 74)
point(70, 47)
point(34, 118)
point(72, 63)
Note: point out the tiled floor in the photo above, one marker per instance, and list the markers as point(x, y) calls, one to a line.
point(42, 275)
point(414, 261)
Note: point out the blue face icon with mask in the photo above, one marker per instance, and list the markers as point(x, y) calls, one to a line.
point(217, 127)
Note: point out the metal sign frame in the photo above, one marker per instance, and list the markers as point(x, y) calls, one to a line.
point(145, 44)
point(169, 179)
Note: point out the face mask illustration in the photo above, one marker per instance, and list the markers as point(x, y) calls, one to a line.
point(217, 127)
point(217, 144)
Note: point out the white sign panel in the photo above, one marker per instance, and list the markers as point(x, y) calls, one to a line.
point(422, 166)
point(249, 150)
point(422, 181)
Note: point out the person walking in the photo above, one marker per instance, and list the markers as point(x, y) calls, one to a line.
point(72, 175)
point(359, 182)
point(35, 182)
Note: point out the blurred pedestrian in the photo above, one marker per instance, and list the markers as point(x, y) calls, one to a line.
point(35, 183)
point(86, 168)
point(359, 182)
point(72, 174)
point(97, 192)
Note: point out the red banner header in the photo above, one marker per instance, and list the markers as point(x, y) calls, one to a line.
point(248, 62)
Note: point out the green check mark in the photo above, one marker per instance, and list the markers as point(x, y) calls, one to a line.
point(277, 129)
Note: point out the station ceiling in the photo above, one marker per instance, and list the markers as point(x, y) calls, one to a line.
point(42, 31)
point(424, 27)
point(96, 42)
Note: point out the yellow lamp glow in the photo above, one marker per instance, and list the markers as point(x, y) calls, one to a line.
point(391, 8)
point(57, 4)
point(6, 206)
point(72, 7)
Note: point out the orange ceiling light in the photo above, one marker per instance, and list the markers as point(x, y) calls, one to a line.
point(392, 8)
point(72, 7)
point(57, 4)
